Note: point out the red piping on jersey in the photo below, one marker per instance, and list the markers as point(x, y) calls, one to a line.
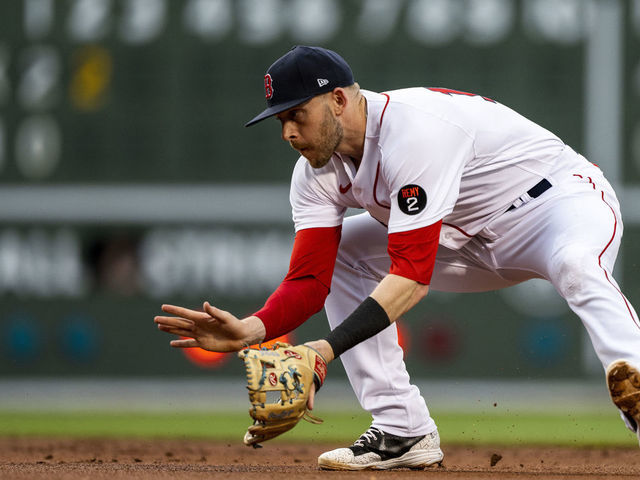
point(615, 226)
point(375, 183)
point(457, 228)
point(590, 181)
point(385, 107)
point(375, 187)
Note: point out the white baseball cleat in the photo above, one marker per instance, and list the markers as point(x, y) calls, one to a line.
point(378, 450)
point(624, 387)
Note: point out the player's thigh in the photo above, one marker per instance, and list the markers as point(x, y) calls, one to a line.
point(586, 243)
point(363, 251)
point(363, 245)
point(457, 271)
point(565, 239)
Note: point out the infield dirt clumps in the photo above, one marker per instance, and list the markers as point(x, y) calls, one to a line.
point(108, 458)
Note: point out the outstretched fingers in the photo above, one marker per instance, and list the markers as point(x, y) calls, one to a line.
point(212, 329)
point(185, 312)
point(176, 331)
point(215, 312)
point(184, 343)
point(175, 326)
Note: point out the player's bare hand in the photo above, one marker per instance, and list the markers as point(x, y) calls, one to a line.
point(212, 329)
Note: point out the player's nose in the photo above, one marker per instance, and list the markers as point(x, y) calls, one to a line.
point(288, 132)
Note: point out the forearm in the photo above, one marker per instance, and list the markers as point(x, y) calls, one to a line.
point(290, 305)
point(393, 297)
point(303, 291)
point(413, 255)
point(397, 295)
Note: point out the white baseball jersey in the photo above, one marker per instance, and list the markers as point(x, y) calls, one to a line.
point(432, 154)
point(429, 154)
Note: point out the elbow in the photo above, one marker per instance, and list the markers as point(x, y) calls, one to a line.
point(317, 303)
point(421, 291)
point(317, 296)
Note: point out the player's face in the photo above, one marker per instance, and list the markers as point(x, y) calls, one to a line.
point(312, 130)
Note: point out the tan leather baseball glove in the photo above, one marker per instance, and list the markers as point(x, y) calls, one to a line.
point(279, 382)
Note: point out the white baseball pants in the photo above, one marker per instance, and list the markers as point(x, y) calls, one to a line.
point(570, 236)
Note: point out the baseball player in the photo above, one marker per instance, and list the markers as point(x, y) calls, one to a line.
point(461, 194)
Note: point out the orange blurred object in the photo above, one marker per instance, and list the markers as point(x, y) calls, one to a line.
point(206, 359)
point(404, 338)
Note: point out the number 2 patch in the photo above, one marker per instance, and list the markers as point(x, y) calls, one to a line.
point(412, 199)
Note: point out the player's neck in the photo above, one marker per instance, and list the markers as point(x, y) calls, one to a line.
point(354, 127)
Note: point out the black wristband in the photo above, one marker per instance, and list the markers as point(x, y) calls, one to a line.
point(366, 321)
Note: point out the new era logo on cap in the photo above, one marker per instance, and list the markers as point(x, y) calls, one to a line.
point(322, 82)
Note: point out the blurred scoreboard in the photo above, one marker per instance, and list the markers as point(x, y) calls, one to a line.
point(127, 178)
point(148, 91)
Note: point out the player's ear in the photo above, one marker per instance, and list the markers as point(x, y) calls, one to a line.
point(339, 99)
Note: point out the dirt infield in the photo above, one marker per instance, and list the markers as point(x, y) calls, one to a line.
point(71, 459)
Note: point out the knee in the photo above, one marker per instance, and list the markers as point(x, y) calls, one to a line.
point(571, 269)
point(348, 253)
point(351, 259)
point(362, 252)
point(361, 241)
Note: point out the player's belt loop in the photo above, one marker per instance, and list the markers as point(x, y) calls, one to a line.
point(534, 192)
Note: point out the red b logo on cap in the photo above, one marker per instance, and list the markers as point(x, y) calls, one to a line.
point(268, 89)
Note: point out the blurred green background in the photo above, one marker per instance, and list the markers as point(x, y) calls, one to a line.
point(127, 179)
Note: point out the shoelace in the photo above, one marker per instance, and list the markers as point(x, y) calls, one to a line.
point(368, 436)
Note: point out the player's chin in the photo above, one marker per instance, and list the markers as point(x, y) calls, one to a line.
point(317, 162)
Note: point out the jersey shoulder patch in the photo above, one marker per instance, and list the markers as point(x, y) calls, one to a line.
point(412, 199)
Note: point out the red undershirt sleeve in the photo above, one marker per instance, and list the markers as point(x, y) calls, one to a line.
point(413, 253)
point(305, 288)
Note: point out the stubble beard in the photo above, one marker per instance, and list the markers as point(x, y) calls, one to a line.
point(331, 134)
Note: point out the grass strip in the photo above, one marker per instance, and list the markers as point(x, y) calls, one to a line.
point(341, 427)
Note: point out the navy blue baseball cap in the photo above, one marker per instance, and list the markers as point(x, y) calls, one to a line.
point(301, 74)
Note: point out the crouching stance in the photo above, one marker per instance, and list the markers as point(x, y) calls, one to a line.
point(461, 194)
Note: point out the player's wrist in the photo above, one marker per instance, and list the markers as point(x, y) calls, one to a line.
point(323, 348)
point(254, 331)
point(367, 320)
